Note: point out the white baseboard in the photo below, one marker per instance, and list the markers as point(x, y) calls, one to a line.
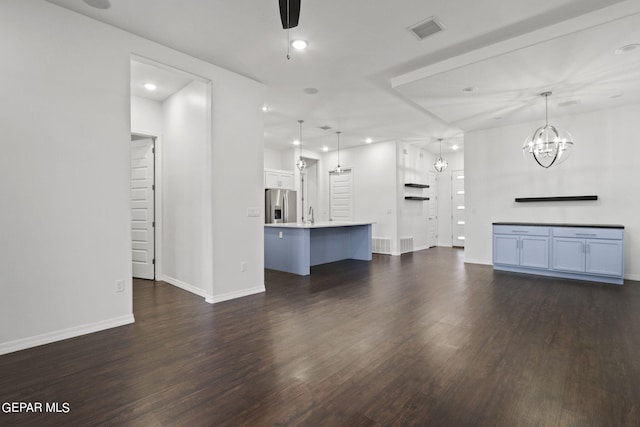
point(63, 334)
point(420, 248)
point(235, 294)
point(635, 277)
point(187, 287)
point(477, 261)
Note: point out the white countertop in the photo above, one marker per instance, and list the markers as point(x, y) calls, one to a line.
point(320, 224)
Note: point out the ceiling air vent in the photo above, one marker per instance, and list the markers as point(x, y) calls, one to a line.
point(568, 103)
point(426, 28)
point(325, 127)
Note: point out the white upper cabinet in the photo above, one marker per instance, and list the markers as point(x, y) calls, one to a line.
point(274, 178)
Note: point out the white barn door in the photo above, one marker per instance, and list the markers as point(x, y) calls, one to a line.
point(341, 196)
point(142, 209)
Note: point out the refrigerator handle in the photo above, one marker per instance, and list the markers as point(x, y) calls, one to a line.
point(285, 206)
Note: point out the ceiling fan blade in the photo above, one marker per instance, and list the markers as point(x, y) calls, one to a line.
point(294, 13)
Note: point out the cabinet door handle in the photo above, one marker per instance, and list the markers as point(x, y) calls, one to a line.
point(586, 234)
point(519, 231)
point(588, 248)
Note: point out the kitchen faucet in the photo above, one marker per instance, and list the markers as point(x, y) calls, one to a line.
point(311, 214)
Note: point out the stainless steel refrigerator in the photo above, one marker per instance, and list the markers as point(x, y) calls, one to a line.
point(279, 206)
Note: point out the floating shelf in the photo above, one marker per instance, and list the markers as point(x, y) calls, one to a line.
point(416, 185)
point(555, 199)
point(415, 198)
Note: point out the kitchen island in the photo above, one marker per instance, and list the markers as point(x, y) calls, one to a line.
point(295, 247)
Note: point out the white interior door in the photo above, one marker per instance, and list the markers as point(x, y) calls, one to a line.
point(142, 209)
point(457, 207)
point(432, 210)
point(341, 196)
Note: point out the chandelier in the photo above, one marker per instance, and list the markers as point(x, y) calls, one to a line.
point(441, 163)
point(547, 146)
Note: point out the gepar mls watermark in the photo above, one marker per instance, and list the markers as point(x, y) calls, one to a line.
point(36, 407)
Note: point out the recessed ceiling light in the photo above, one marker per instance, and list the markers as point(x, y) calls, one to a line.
point(628, 48)
point(296, 142)
point(454, 148)
point(299, 44)
point(368, 140)
point(310, 90)
point(150, 87)
point(99, 4)
point(470, 89)
point(265, 108)
point(325, 148)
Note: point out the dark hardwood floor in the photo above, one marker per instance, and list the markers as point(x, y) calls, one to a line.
point(421, 339)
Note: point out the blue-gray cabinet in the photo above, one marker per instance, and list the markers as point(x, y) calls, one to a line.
point(592, 250)
point(521, 246)
point(572, 251)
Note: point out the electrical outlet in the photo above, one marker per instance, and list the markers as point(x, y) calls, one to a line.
point(280, 234)
point(119, 285)
point(243, 266)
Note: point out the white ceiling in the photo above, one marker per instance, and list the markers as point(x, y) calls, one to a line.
point(357, 48)
point(168, 81)
point(582, 69)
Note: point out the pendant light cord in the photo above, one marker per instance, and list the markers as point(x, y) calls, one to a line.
point(338, 148)
point(300, 121)
point(546, 109)
point(288, 35)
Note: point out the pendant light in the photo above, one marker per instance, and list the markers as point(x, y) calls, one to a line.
point(441, 163)
point(301, 164)
point(338, 169)
point(547, 146)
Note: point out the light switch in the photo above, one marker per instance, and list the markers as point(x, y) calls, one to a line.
point(253, 212)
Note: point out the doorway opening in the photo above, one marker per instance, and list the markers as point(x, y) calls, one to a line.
point(457, 208)
point(171, 176)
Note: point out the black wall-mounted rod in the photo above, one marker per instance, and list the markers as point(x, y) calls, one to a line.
point(555, 199)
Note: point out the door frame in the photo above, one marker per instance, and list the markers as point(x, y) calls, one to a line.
point(157, 196)
point(434, 182)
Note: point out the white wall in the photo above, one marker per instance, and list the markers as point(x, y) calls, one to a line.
point(374, 185)
point(413, 165)
point(146, 116)
point(272, 159)
point(604, 163)
point(456, 163)
point(186, 188)
point(65, 217)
